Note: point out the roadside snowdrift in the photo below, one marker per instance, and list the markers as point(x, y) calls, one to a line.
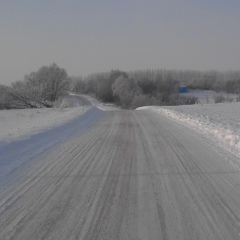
point(17, 124)
point(220, 123)
point(23, 123)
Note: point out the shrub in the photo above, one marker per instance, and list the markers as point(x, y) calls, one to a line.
point(219, 99)
point(238, 98)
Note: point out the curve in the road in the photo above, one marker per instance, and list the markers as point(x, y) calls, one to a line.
point(133, 175)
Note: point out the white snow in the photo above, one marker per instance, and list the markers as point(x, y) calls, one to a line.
point(100, 105)
point(22, 123)
point(219, 123)
point(208, 96)
point(18, 124)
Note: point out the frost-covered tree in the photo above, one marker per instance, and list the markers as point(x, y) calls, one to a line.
point(55, 81)
point(124, 90)
point(39, 89)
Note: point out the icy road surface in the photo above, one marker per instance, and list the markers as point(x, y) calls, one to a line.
point(118, 175)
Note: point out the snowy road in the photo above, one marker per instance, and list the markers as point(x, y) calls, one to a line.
point(128, 175)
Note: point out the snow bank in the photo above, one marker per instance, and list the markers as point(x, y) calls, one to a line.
point(208, 96)
point(218, 122)
point(18, 124)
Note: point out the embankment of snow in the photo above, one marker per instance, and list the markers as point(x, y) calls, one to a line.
point(22, 123)
point(220, 123)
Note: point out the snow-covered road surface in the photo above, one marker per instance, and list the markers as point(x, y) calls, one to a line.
point(128, 175)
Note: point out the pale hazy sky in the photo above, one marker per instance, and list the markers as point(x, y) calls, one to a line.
point(88, 36)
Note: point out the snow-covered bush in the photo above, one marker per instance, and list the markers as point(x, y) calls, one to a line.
point(219, 99)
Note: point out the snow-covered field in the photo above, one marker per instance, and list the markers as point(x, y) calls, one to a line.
point(208, 96)
point(219, 123)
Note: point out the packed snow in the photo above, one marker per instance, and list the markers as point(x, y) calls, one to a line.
point(219, 123)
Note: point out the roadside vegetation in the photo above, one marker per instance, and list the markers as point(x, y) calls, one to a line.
point(158, 87)
point(128, 90)
point(38, 89)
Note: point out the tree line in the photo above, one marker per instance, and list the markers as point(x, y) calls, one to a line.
point(128, 90)
point(132, 90)
point(154, 87)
